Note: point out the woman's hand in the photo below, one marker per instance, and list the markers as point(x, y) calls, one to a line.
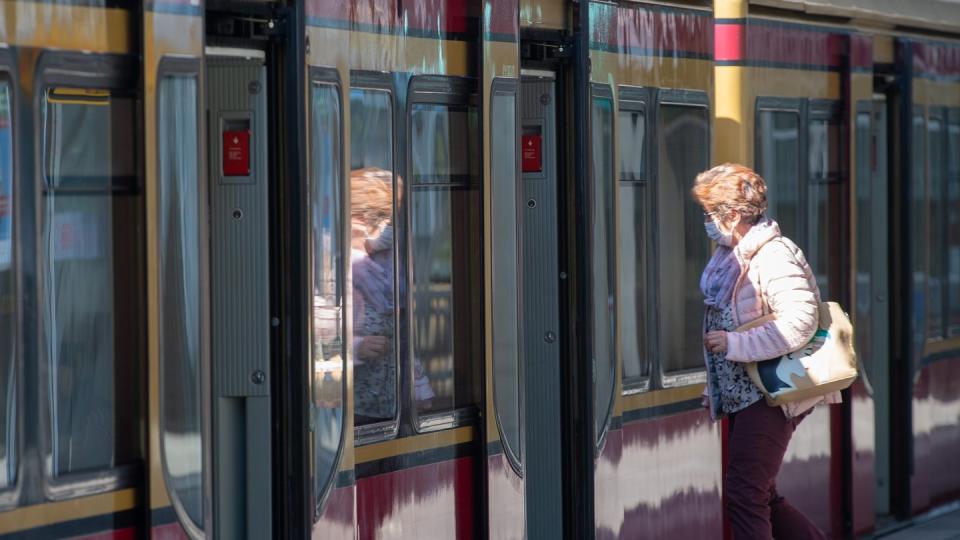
point(373, 347)
point(715, 342)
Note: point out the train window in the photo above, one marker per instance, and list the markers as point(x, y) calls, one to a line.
point(91, 279)
point(631, 129)
point(504, 197)
point(918, 233)
point(635, 246)
point(779, 160)
point(371, 128)
point(953, 224)
point(327, 358)
point(824, 218)
point(8, 373)
point(682, 130)
point(372, 223)
point(445, 269)
point(179, 274)
point(936, 166)
point(864, 221)
point(603, 256)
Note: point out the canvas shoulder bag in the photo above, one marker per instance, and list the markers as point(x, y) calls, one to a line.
point(826, 364)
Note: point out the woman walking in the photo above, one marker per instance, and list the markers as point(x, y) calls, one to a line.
point(755, 271)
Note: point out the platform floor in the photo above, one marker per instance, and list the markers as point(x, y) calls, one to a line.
point(943, 524)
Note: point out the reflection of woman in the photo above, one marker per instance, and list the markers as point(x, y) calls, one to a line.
point(375, 371)
point(755, 271)
point(375, 368)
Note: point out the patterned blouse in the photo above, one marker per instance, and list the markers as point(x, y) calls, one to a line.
point(375, 379)
point(731, 389)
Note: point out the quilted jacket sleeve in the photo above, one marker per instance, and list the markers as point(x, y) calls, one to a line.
point(790, 290)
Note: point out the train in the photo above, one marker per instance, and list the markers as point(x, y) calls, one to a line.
point(505, 343)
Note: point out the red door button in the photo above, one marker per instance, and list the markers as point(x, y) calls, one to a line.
point(236, 153)
point(530, 152)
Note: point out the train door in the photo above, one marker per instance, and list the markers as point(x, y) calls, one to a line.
point(540, 303)
point(178, 452)
point(239, 279)
point(503, 430)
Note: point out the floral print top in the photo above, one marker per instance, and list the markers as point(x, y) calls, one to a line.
point(731, 389)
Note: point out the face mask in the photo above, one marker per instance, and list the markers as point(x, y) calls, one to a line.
point(718, 236)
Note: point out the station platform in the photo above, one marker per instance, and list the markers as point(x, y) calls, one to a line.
point(940, 524)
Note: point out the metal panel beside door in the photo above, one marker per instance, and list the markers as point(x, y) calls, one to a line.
point(503, 429)
point(541, 319)
point(242, 487)
point(880, 330)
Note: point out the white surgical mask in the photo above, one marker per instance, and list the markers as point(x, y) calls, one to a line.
point(717, 235)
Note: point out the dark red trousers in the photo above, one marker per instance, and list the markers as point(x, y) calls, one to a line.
point(757, 442)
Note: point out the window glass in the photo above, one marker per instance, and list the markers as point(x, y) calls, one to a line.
point(445, 257)
point(8, 374)
point(446, 151)
point(91, 272)
point(506, 269)
point(602, 258)
point(779, 157)
point(635, 213)
point(371, 129)
point(372, 257)
point(327, 282)
point(953, 226)
point(864, 235)
point(631, 126)
point(179, 273)
point(918, 233)
point(825, 222)
point(936, 241)
point(684, 248)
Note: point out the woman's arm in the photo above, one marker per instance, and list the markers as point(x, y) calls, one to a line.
point(785, 281)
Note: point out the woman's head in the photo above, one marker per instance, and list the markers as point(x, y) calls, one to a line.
point(371, 198)
point(733, 197)
point(731, 189)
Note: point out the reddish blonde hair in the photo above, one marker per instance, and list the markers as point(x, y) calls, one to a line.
point(732, 186)
point(371, 196)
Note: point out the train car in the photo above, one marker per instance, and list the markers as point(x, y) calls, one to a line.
point(505, 343)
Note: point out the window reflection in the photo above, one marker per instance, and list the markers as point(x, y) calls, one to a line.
point(327, 356)
point(824, 224)
point(953, 227)
point(8, 394)
point(779, 157)
point(179, 234)
point(374, 328)
point(635, 211)
point(602, 257)
point(90, 268)
point(684, 248)
point(936, 165)
point(918, 225)
point(372, 255)
point(864, 235)
point(445, 250)
point(506, 270)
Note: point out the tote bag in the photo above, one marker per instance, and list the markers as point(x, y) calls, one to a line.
point(826, 364)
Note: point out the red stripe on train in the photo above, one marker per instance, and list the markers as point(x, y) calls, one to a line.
point(502, 18)
point(780, 44)
point(729, 42)
point(120, 534)
point(655, 32)
point(936, 59)
point(435, 15)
